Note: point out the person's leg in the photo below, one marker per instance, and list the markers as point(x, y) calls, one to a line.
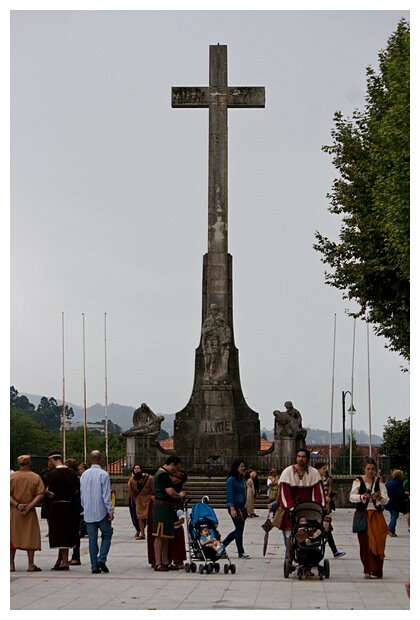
point(75, 558)
point(31, 559)
point(92, 531)
point(106, 529)
point(142, 524)
point(12, 559)
point(239, 535)
point(64, 557)
point(165, 548)
point(231, 535)
point(158, 550)
point(331, 542)
point(393, 521)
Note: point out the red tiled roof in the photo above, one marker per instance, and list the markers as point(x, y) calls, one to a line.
point(168, 444)
point(324, 450)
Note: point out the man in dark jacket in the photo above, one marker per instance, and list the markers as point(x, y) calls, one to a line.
point(396, 496)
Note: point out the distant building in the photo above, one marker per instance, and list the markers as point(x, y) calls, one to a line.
point(91, 426)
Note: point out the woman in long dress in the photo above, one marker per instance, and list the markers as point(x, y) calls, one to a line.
point(132, 494)
point(250, 493)
point(141, 485)
point(370, 495)
point(26, 490)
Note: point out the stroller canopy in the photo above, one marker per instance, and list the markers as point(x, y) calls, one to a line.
point(311, 510)
point(202, 512)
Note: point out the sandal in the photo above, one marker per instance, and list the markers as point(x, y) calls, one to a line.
point(162, 568)
point(35, 569)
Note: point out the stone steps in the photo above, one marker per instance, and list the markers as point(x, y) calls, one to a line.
point(215, 488)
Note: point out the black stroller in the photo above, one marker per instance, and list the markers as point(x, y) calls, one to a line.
point(202, 514)
point(308, 542)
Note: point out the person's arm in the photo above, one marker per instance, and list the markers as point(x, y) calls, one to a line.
point(381, 497)
point(106, 496)
point(355, 496)
point(174, 494)
point(230, 496)
point(32, 504)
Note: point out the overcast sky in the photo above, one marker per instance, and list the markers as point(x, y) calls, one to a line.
point(109, 207)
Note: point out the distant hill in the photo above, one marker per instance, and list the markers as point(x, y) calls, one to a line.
point(123, 416)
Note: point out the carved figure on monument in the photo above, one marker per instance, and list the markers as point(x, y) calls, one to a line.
point(288, 423)
point(216, 337)
point(224, 335)
point(145, 422)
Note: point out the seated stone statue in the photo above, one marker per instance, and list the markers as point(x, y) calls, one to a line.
point(145, 422)
point(288, 423)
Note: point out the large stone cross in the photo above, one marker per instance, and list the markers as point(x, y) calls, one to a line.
point(218, 97)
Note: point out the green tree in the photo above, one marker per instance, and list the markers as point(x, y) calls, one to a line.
point(29, 437)
point(371, 261)
point(341, 465)
point(162, 435)
point(396, 443)
point(50, 413)
point(20, 402)
point(113, 429)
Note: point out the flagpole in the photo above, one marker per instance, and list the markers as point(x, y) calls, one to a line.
point(63, 424)
point(106, 396)
point(351, 405)
point(369, 398)
point(332, 391)
point(84, 393)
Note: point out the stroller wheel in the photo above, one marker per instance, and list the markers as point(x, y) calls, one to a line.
point(326, 568)
point(187, 567)
point(201, 569)
point(286, 568)
point(209, 569)
point(320, 576)
point(217, 568)
point(193, 567)
point(233, 569)
point(300, 574)
point(226, 568)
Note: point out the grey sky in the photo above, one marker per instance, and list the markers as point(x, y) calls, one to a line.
point(109, 206)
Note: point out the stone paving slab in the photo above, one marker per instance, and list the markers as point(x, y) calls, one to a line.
point(257, 584)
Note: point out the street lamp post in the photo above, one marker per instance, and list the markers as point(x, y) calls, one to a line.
point(351, 412)
point(343, 403)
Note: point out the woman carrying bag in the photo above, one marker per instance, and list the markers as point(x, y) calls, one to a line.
point(370, 495)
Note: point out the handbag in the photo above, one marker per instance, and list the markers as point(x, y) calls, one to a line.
point(359, 522)
point(241, 513)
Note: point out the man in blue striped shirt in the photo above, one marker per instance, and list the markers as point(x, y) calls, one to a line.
point(95, 494)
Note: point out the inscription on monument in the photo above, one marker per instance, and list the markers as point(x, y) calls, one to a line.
point(220, 426)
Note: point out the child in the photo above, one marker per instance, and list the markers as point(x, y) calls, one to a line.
point(177, 548)
point(207, 540)
point(305, 533)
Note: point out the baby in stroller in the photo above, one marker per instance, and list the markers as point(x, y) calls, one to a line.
point(307, 542)
point(209, 541)
point(307, 534)
point(204, 540)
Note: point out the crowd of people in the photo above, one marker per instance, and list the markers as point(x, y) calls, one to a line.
point(76, 499)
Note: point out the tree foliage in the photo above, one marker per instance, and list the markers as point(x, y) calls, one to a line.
point(396, 443)
point(371, 261)
point(342, 463)
point(29, 437)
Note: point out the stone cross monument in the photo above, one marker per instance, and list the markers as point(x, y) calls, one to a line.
point(217, 421)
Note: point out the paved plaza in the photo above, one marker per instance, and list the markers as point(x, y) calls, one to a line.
point(257, 584)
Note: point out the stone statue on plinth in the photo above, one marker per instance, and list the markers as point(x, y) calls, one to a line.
point(142, 438)
point(145, 422)
point(288, 423)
